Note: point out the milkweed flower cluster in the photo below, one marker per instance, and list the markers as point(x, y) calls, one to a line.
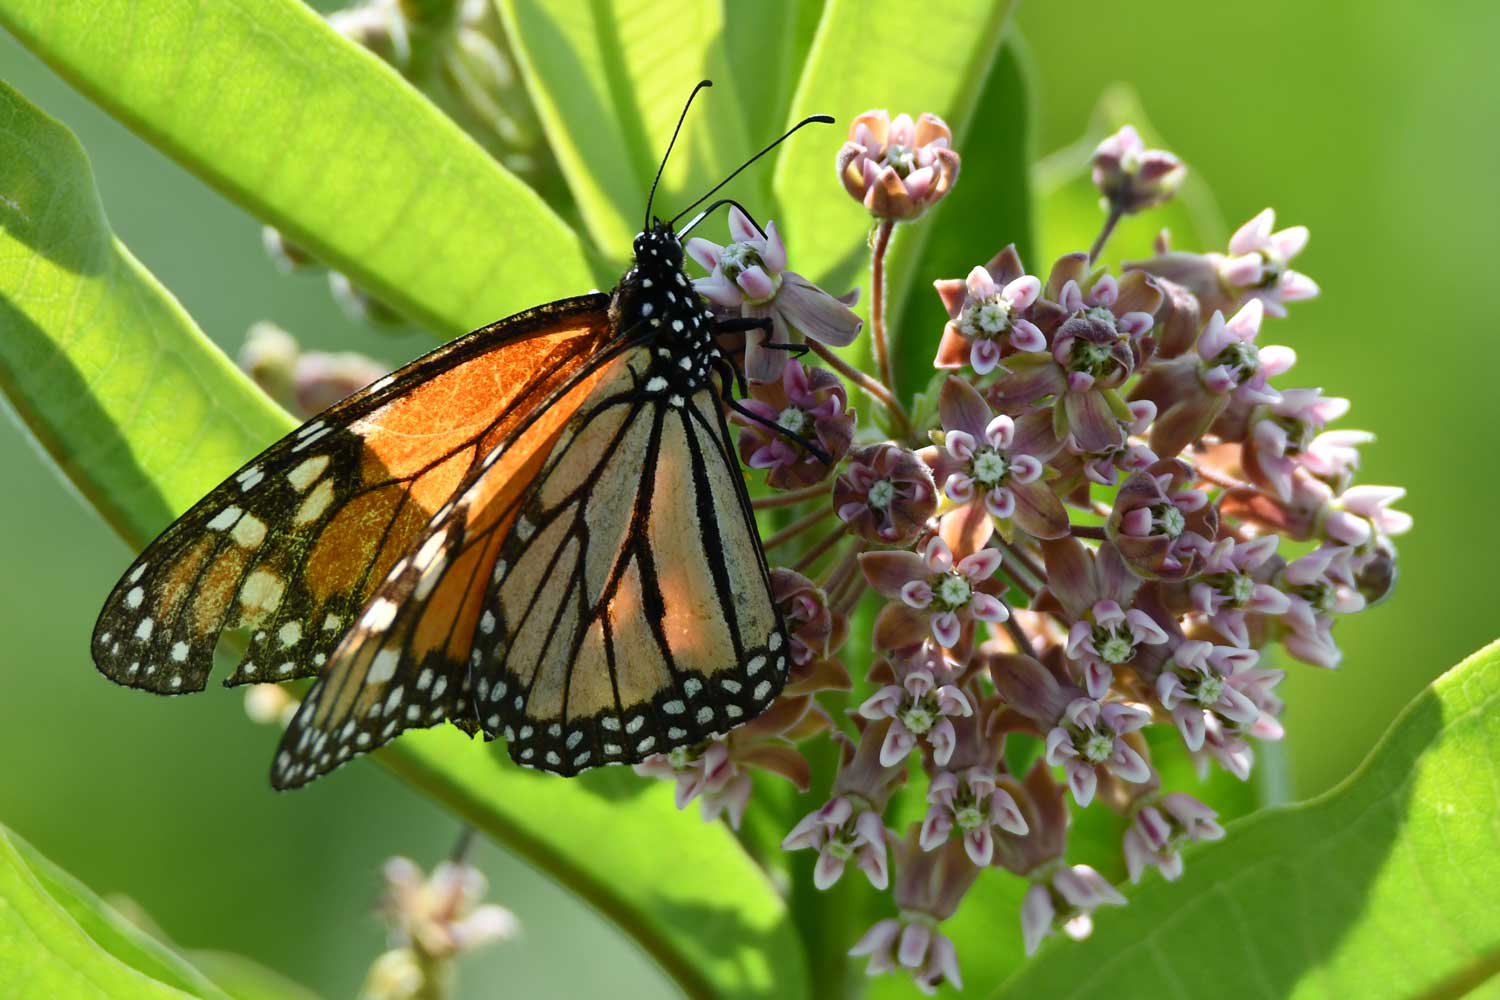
point(1117, 511)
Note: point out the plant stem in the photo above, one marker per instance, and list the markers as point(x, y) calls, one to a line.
point(1019, 637)
point(794, 529)
point(881, 393)
point(1015, 557)
point(1088, 531)
point(813, 554)
point(1225, 481)
point(1115, 215)
point(792, 496)
point(877, 302)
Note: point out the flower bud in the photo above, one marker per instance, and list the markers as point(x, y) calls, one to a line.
point(898, 168)
point(1131, 177)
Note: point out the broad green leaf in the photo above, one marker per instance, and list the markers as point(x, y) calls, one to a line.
point(316, 136)
point(138, 409)
point(243, 979)
point(877, 55)
point(144, 415)
point(1386, 886)
point(58, 940)
point(609, 79)
point(1069, 208)
point(988, 208)
point(106, 928)
point(767, 44)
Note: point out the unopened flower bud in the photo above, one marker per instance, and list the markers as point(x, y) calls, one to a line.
point(898, 168)
point(1131, 177)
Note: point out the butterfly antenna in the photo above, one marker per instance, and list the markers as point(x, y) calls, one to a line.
point(680, 119)
point(822, 119)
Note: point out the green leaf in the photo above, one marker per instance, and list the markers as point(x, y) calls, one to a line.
point(1386, 886)
point(243, 979)
point(316, 136)
point(875, 55)
point(144, 414)
point(1068, 202)
point(136, 406)
point(57, 939)
point(609, 79)
point(988, 208)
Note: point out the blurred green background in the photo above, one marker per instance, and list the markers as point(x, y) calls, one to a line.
point(1374, 124)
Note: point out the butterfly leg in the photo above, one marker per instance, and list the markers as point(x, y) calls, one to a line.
point(726, 373)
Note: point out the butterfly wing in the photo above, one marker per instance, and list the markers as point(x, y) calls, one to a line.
point(293, 545)
point(630, 611)
point(406, 662)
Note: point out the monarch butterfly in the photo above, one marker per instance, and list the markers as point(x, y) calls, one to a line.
point(538, 531)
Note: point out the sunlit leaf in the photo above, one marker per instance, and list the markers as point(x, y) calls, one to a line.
point(609, 80)
point(121, 388)
point(312, 134)
point(57, 939)
point(1383, 887)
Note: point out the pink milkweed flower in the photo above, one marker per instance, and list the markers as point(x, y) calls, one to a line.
point(1364, 512)
point(807, 401)
point(1131, 177)
point(1197, 681)
point(898, 168)
point(1318, 586)
point(815, 630)
point(1333, 456)
point(841, 833)
point(1160, 832)
point(1094, 351)
point(920, 709)
point(750, 274)
point(1107, 638)
point(1286, 429)
point(996, 461)
point(1160, 523)
point(1091, 735)
point(1064, 898)
point(1257, 264)
point(440, 915)
point(996, 310)
point(1232, 364)
point(933, 591)
point(885, 494)
point(912, 945)
point(1228, 588)
point(974, 803)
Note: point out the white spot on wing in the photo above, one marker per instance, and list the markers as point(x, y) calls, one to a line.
point(383, 666)
point(224, 519)
point(306, 474)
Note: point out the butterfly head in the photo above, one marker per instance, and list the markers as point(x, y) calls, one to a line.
point(658, 249)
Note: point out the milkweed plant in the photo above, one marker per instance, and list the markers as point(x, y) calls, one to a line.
point(1043, 572)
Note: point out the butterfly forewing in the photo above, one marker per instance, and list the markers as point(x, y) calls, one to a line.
point(406, 661)
point(293, 546)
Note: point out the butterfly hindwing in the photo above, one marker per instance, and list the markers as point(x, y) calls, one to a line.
point(293, 545)
point(630, 610)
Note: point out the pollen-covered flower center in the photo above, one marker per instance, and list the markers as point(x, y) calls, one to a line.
point(882, 492)
point(1095, 747)
point(1099, 314)
point(952, 592)
point(679, 757)
point(737, 258)
point(1321, 595)
point(902, 158)
point(989, 467)
point(1092, 358)
point(1115, 645)
point(969, 816)
point(919, 716)
point(841, 845)
point(1272, 268)
point(988, 317)
point(1210, 690)
point(1168, 520)
point(793, 419)
point(1242, 360)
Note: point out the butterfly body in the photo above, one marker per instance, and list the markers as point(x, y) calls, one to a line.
point(539, 531)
